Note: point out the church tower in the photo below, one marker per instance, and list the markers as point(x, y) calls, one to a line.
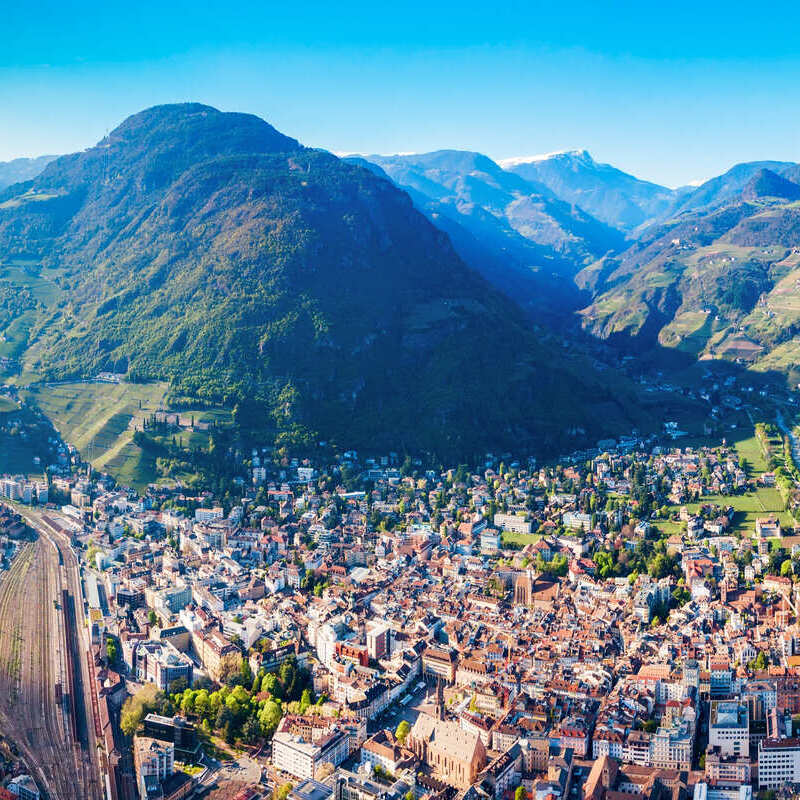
point(439, 712)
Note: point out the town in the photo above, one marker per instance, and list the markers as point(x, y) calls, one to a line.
point(622, 621)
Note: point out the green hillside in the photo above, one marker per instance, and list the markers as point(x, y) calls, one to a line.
point(210, 252)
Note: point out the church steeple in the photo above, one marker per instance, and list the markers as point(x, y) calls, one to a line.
point(439, 712)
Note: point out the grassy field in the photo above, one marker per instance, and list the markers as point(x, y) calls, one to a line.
point(512, 539)
point(100, 418)
point(750, 449)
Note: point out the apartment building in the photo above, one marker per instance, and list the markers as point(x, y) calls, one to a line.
point(778, 763)
point(729, 728)
point(302, 756)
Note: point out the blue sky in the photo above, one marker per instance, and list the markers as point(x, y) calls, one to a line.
point(672, 92)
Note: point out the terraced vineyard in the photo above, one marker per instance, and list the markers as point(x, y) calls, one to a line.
point(100, 419)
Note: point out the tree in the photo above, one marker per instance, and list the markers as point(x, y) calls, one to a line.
point(152, 618)
point(269, 717)
point(325, 770)
point(761, 661)
point(282, 792)
point(230, 672)
point(201, 703)
point(187, 702)
point(251, 730)
point(520, 793)
point(269, 682)
point(403, 729)
point(178, 686)
point(134, 708)
point(111, 650)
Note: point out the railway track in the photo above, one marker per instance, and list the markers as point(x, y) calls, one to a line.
point(33, 660)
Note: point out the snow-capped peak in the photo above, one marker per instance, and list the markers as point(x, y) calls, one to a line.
point(505, 163)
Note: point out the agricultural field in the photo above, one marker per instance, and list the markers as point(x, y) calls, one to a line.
point(100, 420)
point(26, 293)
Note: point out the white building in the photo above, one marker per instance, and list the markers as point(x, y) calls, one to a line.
point(209, 514)
point(778, 763)
point(298, 756)
point(729, 728)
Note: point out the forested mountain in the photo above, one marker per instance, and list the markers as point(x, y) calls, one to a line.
point(209, 250)
point(523, 238)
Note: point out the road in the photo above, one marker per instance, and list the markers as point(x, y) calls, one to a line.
point(33, 659)
point(793, 440)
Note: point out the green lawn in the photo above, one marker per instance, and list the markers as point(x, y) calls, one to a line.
point(750, 449)
point(509, 538)
point(668, 527)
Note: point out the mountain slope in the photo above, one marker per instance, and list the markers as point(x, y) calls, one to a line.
point(523, 224)
point(542, 290)
point(726, 188)
point(766, 183)
point(605, 192)
point(209, 250)
point(22, 169)
point(713, 284)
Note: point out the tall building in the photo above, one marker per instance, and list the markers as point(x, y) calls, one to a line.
point(729, 728)
point(154, 762)
point(379, 641)
point(778, 763)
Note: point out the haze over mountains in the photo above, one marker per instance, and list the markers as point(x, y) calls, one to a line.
point(609, 194)
point(22, 169)
point(435, 302)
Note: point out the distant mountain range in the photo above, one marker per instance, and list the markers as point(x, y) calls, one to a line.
point(518, 234)
point(22, 169)
point(605, 192)
point(709, 271)
point(212, 251)
point(721, 279)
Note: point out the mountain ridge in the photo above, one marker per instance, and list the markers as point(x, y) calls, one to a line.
point(211, 251)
